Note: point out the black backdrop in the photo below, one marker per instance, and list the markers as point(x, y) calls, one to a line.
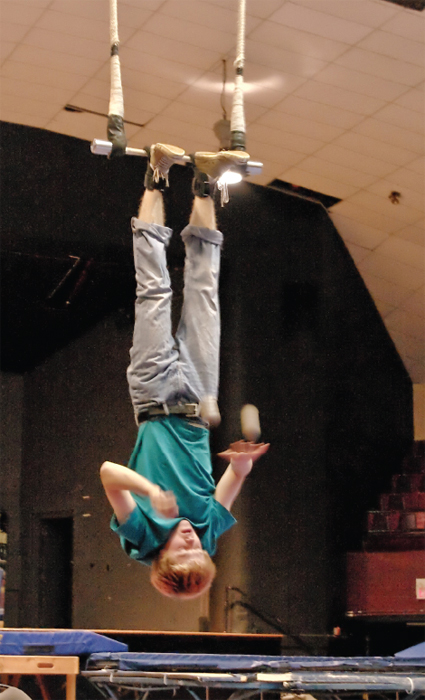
point(301, 338)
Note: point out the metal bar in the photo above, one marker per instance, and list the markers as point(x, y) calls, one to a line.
point(103, 148)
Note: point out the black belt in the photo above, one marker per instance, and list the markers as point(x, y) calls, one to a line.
point(187, 410)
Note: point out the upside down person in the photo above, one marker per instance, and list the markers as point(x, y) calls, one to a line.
point(168, 511)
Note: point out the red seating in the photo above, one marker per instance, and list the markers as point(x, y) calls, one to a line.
point(399, 524)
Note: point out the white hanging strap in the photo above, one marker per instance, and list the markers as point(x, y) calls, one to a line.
point(116, 100)
point(115, 131)
point(237, 122)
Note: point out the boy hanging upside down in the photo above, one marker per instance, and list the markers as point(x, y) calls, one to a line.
point(168, 511)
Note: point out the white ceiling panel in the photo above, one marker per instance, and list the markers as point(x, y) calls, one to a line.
point(389, 44)
point(381, 66)
point(338, 172)
point(393, 271)
point(357, 232)
point(297, 41)
point(339, 97)
point(407, 24)
point(363, 83)
point(317, 182)
point(362, 12)
point(334, 96)
point(320, 23)
point(391, 134)
point(15, 12)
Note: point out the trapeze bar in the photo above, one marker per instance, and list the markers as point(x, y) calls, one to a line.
point(103, 148)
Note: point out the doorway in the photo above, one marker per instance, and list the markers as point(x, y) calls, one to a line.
point(55, 572)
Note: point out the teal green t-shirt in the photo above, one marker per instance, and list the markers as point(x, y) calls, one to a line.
point(175, 455)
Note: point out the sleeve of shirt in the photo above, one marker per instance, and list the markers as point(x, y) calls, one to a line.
point(132, 534)
point(221, 521)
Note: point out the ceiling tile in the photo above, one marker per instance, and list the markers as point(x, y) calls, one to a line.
point(297, 125)
point(413, 99)
point(158, 66)
point(407, 323)
point(413, 234)
point(201, 13)
point(8, 114)
point(283, 60)
point(325, 114)
point(403, 251)
point(15, 12)
point(92, 29)
point(67, 44)
point(383, 308)
point(6, 48)
point(369, 200)
point(391, 134)
point(200, 136)
point(144, 82)
point(358, 254)
point(32, 91)
point(392, 271)
point(407, 24)
point(271, 170)
point(95, 9)
point(294, 142)
point(290, 124)
point(360, 11)
point(383, 290)
point(411, 346)
point(12, 32)
point(417, 165)
point(356, 160)
point(416, 369)
point(190, 33)
point(415, 303)
point(306, 19)
point(336, 171)
point(194, 115)
point(382, 66)
point(48, 76)
point(83, 126)
point(408, 178)
point(259, 79)
point(31, 106)
point(414, 202)
point(272, 152)
point(339, 97)
point(31, 56)
point(402, 117)
point(362, 83)
point(317, 183)
point(173, 50)
point(374, 148)
point(358, 212)
point(356, 232)
point(297, 41)
point(256, 8)
point(395, 46)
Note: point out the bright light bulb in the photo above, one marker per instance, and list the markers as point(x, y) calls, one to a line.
point(230, 177)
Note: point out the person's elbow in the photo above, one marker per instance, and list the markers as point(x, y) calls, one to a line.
point(106, 473)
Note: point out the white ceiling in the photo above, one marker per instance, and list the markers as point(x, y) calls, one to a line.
point(334, 102)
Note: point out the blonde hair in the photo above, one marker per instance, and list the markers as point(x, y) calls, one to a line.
point(184, 580)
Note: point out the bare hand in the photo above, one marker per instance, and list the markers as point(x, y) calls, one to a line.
point(164, 502)
point(242, 450)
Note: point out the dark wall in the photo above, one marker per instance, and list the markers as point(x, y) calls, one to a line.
point(301, 339)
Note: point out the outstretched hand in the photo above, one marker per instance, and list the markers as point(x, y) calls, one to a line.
point(242, 451)
point(164, 502)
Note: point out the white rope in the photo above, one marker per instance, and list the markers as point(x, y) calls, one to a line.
point(116, 98)
point(240, 46)
point(237, 121)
